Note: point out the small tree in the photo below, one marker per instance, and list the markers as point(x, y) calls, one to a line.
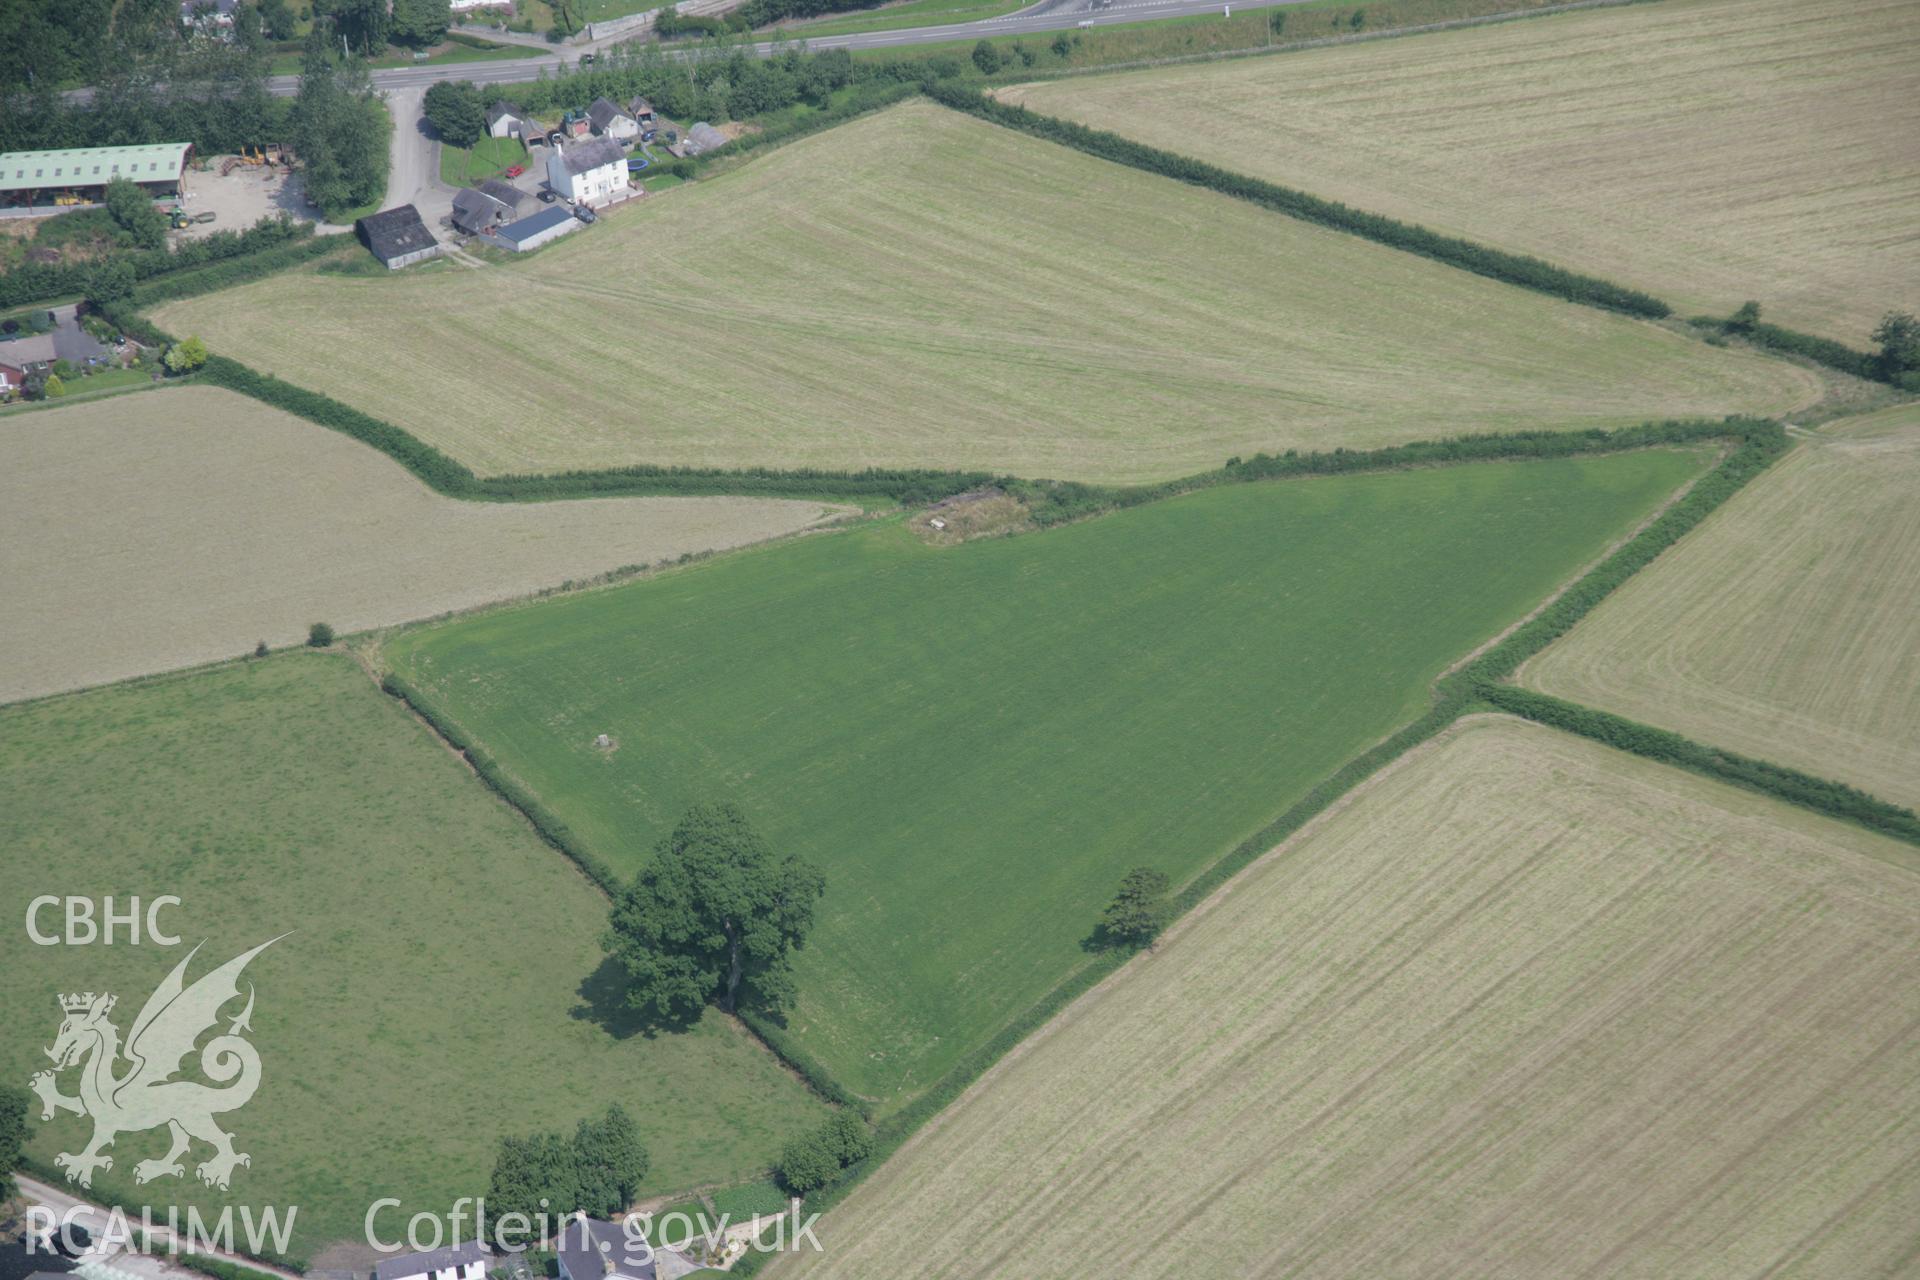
point(714, 917)
point(53, 386)
point(319, 635)
point(109, 280)
point(1277, 21)
point(1744, 320)
point(532, 1170)
point(13, 1136)
point(186, 356)
point(1358, 20)
point(1140, 910)
point(418, 23)
point(816, 1158)
point(807, 1164)
point(610, 1162)
point(260, 650)
point(1899, 339)
point(986, 57)
point(1061, 46)
point(131, 209)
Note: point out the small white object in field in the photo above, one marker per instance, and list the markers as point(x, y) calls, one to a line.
point(937, 523)
point(603, 741)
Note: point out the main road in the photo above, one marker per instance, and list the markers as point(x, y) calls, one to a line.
point(1048, 15)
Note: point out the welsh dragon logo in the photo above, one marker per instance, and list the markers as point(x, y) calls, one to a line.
point(145, 1095)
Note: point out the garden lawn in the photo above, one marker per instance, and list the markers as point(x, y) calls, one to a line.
point(428, 997)
point(487, 158)
point(975, 743)
point(920, 288)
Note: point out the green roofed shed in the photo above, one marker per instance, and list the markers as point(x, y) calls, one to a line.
point(158, 164)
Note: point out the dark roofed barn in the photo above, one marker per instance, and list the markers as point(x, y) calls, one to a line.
point(475, 211)
point(398, 237)
point(505, 192)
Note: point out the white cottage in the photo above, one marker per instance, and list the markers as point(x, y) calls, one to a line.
point(588, 172)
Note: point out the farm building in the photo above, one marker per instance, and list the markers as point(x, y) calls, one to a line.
point(466, 1261)
point(609, 121)
point(588, 172)
point(589, 1249)
point(704, 137)
point(642, 110)
point(475, 211)
point(82, 175)
point(531, 232)
point(398, 237)
point(505, 121)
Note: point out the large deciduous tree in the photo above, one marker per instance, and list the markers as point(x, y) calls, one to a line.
point(1140, 910)
point(454, 109)
point(714, 918)
point(528, 1171)
point(419, 23)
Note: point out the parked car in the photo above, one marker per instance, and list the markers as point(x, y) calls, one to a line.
point(585, 214)
point(516, 170)
point(547, 195)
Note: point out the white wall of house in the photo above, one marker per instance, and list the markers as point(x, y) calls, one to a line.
point(590, 187)
point(623, 126)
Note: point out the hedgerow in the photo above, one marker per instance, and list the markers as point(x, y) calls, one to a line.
point(1834, 355)
point(39, 281)
point(1528, 273)
point(1835, 799)
point(550, 827)
point(1760, 443)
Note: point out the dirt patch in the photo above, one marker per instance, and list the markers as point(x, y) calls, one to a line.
point(981, 513)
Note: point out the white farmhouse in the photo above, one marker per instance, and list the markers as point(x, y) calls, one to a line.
point(589, 172)
point(455, 1262)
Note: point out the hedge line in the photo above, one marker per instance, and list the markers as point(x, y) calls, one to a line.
point(221, 275)
point(1834, 355)
point(802, 1063)
point(551, 828)
point(1054, 501)
point(1761, 443)
point(41, 281)
point(1454, 696)
point(1528, 273)
point(1835, 799)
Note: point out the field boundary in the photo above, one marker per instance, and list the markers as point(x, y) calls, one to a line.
point(1454, 251)
point(1317, 42)
point(1467, 689)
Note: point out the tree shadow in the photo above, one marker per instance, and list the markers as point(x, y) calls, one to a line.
point(603, 1002)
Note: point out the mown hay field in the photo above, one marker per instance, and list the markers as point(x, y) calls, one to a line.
point(919, 288)
point(1707, 151)
point(975, 743)
point(430, 996)
point(1786, 627)
point(178, 527)
point(1519, 1007)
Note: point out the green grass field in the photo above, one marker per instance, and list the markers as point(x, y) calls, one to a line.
point(976, 742)
point(429, 997)
point(957, 295)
